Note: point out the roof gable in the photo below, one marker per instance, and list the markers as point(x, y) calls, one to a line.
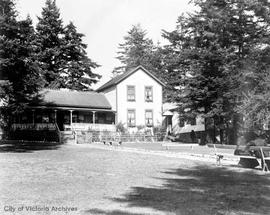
point(116, 80)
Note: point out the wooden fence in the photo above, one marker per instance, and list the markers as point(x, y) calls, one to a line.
point(90, 137)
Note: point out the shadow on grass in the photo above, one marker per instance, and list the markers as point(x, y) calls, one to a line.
point(203, 190)
point(27, 148)
point(114, 212)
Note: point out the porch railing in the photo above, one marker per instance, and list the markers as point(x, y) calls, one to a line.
point(46, 132)
point(91, 127)
point(36, 126)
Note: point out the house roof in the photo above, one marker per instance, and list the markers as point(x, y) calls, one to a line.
point(76, 99)
point(167, 113)
point(169, 106)
point(116, 80)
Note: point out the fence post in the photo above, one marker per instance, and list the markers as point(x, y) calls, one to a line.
point(75, 135)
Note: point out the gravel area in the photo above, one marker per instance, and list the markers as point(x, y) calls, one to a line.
point(80, 179)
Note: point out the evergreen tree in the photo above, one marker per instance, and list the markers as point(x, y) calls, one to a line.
point(208, 51)
point(62, 55)
point(136, 50)
point(18, 62)
point(50, 34)
point(78, 67)
point(255, 85)
point(140, 50)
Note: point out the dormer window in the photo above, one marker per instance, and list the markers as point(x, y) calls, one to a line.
point(131, 93)
point(148, 94)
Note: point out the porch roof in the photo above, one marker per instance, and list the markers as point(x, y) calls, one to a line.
point(74, 108)
point(73, 99)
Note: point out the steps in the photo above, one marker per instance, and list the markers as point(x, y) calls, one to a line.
point(67, 137)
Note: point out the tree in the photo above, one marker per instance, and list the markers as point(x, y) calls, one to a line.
point(62, 55)
point(140, 50)
point(78, 67)
point(255, 105)
point(136, 50)
point(18, 63)
point(208, 51)
point(50, 34)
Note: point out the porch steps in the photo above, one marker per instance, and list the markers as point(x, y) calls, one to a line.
point(67, 137)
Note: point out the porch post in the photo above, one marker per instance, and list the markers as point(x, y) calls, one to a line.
point(71, 116)
point(94, 119)
point(33, 116)
point(115, 118)
point(55, 116)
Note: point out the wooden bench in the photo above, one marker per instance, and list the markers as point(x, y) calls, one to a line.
point(262, 160)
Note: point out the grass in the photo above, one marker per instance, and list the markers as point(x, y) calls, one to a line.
point(96, 181)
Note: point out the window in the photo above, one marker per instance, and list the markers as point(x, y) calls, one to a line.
point(192, 121)
point(131, 93)
point(148, 94)
point(181, 122)
point(149, 118)
point(131, 118)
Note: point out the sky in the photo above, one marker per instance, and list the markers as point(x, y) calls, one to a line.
point(105, 22)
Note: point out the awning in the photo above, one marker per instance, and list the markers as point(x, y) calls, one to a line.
point(167, 113)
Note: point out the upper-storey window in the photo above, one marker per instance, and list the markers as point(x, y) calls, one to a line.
point(131, 93)
point(148, 91)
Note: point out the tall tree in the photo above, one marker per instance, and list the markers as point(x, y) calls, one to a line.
point(255, 85)
point(50, 34)
point(136, 50)
point(18, 62)
point(78, 67)
point(62, 55)
point(208, 51)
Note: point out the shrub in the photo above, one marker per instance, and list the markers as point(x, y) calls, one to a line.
point(121, 128)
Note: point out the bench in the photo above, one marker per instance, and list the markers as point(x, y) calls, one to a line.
point(261, 160)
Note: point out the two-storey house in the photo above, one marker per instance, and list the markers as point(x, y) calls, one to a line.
point(133, 99)
point(136, 97)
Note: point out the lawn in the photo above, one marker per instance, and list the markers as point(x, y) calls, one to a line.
point(83, 180)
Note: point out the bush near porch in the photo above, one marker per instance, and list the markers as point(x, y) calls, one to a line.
point(34, 135)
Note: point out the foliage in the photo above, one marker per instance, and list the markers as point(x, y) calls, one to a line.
point(120, 127)
point(62, 53)
point(208, 50)
point(135, 50)
point(18, 62)
point(138, 50)
point(256, 87)
point(78, 67)
point(50, 38)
